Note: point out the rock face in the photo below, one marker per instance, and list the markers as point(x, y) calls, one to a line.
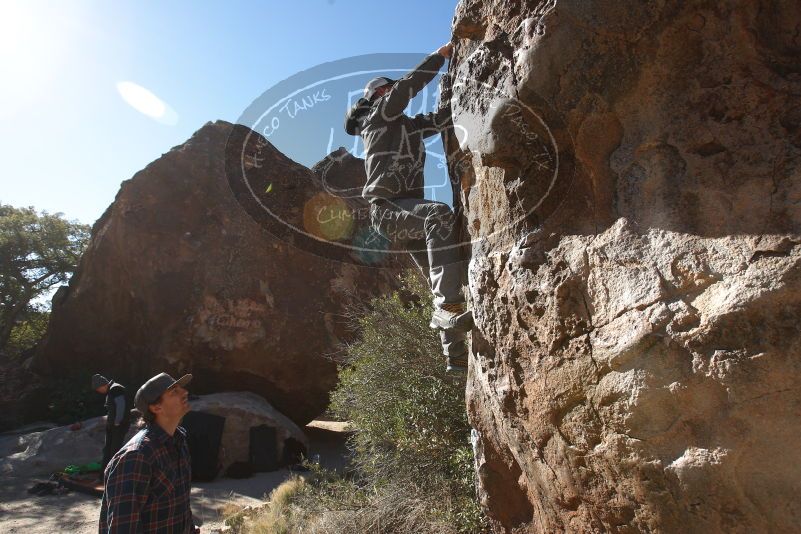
point(179, 278)
point(22, 397)
point(631, 174)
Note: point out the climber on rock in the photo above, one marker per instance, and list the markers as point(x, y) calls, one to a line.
point(394, 161)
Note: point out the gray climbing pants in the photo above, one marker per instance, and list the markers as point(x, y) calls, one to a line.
point(426, 229)
point(454, 344)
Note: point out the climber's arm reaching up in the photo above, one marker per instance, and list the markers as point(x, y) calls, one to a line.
point(412, 83)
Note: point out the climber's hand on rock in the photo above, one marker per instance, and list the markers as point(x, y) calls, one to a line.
point(445, 50)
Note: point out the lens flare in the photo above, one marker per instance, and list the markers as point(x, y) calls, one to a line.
point(147, 103)
point(328, 217)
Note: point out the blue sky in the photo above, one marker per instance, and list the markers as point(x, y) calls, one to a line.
point(67, 136)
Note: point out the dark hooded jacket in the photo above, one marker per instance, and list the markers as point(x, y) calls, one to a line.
point(113, 406)
point(393, 142)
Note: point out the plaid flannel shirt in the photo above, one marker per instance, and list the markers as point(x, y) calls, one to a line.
point(147, 485)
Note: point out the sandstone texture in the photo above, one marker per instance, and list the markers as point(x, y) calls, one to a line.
point(180, 277)
point(631, 176)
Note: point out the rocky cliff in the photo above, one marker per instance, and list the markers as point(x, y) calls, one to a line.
point(179, 277)
point(631, 176)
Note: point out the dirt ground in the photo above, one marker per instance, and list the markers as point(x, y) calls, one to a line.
point(74, 512)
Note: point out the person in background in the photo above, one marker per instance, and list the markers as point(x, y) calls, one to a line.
point(148, 482)
point(118, 419)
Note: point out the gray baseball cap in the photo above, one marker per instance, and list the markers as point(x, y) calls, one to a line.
point(99, 380)
point(375, 83)
point(155, 388)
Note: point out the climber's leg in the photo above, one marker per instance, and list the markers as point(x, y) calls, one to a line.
point(445, 270)
point(405, 220)
point(418, 252)
point(454, 347)
point(408, 219)
point(443, 255)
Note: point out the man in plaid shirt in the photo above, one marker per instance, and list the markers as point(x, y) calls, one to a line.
point(147, 483)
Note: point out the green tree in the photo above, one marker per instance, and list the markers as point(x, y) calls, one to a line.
point(27, 332)
point(37, 252)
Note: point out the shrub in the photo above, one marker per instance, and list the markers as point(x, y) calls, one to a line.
point(413, 465)
point(412, 435)
point(409, 415)
point(27, 333)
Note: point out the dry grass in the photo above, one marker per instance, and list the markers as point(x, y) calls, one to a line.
point(229, 509)
point(276, 516)
point(300, 507)
point(282, 496)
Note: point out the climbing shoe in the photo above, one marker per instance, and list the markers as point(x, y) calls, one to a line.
point(457, 365)
point(451, 316)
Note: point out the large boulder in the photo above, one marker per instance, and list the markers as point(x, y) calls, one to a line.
point(22, 395)
point(179, 278)
point(47, 451)
point(632, 176)
point(243, 411)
